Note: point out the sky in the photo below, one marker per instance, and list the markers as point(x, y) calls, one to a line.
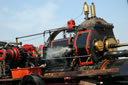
point(24, 17)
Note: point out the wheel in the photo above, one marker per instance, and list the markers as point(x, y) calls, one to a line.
point(32, 79)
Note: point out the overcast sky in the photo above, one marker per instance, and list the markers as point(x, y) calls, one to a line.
point(24, 17)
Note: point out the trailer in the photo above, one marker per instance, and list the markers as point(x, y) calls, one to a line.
point(21, 77)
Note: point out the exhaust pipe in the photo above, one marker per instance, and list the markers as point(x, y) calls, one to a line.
point(93, 11)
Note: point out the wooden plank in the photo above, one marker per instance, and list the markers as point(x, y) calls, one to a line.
point(82, 73)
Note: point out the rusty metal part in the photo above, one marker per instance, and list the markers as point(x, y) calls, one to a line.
point(93, 11)
point(10, 79)
point(82, 73)
point(109, 42)
point(99, 45)
point(82, 82)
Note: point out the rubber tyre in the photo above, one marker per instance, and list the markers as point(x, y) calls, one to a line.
point(32, 79)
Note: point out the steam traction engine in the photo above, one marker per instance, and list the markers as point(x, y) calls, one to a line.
point(88, 55)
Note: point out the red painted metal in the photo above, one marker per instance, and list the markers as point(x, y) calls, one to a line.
point(71, 24)
point(30, 49)
point(105, 63)
point(11, 53)
point(3, 52)
point(21, 72)
point(18, 53)
point(40, 47)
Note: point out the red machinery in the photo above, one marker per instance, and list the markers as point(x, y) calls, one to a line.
point(31, 49)
point(10, 53)
point(13, 57)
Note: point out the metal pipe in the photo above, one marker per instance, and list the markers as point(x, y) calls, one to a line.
point(47, 31)
point(117, 45)
point(44, 37)
point(29, 35)
point(17, 41)
point(93, 11)
point(72, 57)
point(124, 44)
point(115, 54)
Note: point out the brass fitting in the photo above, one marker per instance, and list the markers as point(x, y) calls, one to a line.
point(99, 45)
point(109, 42)
point(93, 11)
point(86, 10)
